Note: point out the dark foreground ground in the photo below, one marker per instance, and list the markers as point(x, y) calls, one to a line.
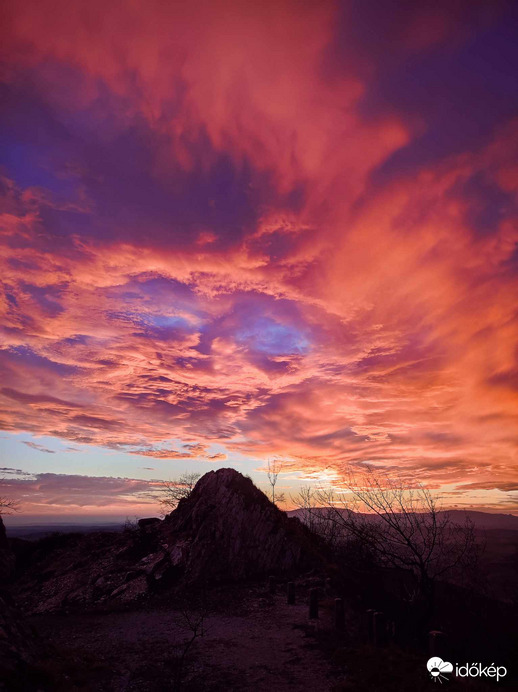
point(250, 640)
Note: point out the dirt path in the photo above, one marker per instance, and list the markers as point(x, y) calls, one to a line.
point(263, 645)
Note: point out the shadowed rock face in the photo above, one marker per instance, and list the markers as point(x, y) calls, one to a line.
point(228, 530)
point(6, 557)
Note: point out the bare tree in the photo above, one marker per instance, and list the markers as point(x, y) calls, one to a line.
point(174, 491)
point(193, 623)
point(400, 524)
point(8, 505)
point(318, 519)
point(274, 469)
point(191, 618)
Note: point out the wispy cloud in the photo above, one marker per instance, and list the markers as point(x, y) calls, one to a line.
point(52, 493)
point(40, 448)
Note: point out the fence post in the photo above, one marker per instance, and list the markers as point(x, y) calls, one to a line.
point(291, 593)
point(436, 643)
point(392, 630)
point(313, 604)
point(339, 614)
point(380, 629)
point(271, 584)
point(370, 624)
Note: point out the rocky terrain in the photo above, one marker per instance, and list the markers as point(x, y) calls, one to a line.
point(226, 531)
point(91, 600)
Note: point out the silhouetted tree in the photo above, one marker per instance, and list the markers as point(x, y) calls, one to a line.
point(316, 518)
point(400, 524)
point(174, 491)
point(8, 505)
point(274, 469)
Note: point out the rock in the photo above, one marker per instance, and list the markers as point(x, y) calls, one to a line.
point(7, 559)
point(16, 640)
point(151, 563)
point(148, 523)
point(131, 591)
point(227, 529)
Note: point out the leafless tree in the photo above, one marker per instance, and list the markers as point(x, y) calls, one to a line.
point(8, 505)
point(174, 491)
point(317, 519)
point(274, 469)
point(400, 524)
point(191, 618)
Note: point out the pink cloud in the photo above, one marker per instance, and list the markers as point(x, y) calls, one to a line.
point(272, 239)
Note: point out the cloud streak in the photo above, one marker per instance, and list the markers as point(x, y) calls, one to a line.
point(53, 493)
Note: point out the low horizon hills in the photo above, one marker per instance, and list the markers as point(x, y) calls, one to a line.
point(25, 526)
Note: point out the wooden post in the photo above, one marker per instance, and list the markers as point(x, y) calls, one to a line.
point(392, 632)
point(313, 604)
point(339, 614)
point(380, 629)
point(271, 584)
point(291, 593)
point(436, 642)
point(369, 615)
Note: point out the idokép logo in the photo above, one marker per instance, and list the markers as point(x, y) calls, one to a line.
point(439, 668)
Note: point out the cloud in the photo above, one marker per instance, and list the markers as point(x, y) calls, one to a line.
point(288, 230)
point(40, 448)
point(195, 450)
point(217, 457)
point(48, 493)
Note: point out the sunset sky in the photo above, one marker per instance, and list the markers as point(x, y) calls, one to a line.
point(234, 231)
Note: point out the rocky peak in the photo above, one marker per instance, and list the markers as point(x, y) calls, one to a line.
point(227, 529)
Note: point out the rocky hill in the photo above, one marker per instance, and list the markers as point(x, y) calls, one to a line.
point(227, 530)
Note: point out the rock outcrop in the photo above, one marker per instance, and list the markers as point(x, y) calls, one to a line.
point(226, 530)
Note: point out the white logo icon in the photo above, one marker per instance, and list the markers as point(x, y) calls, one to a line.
point(437, 667)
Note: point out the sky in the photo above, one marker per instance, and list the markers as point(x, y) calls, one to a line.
point(239, 231)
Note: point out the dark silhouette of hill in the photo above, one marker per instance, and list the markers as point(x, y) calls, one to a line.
point(480, 520)
point(227, 530)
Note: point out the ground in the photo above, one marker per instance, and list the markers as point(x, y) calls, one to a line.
point(252, 641)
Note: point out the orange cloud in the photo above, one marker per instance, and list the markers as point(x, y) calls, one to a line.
point(288, 229)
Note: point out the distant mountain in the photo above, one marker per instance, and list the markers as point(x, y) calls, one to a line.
point(33, 532)
point(485, 520)
point(480, 520)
